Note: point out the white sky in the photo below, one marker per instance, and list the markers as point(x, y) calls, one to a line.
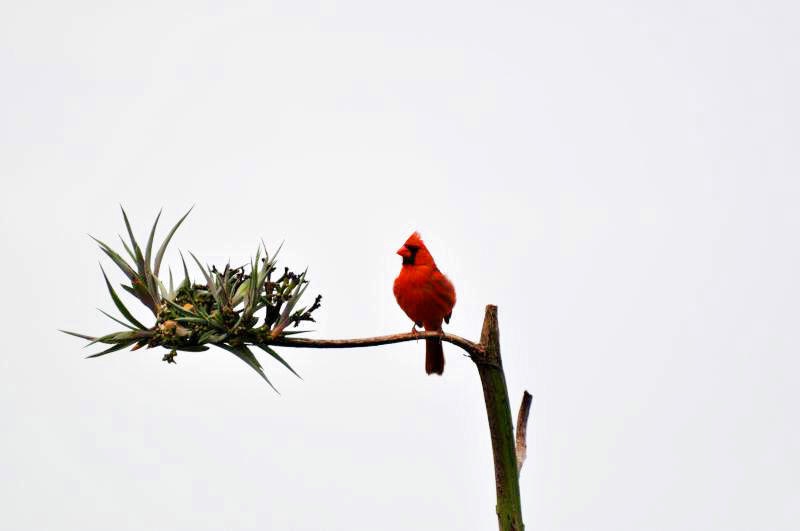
point(620, 178)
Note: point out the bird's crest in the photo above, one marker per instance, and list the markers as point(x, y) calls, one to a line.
point(415, 240)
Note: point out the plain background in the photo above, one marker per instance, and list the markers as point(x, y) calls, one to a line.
point(620, 178)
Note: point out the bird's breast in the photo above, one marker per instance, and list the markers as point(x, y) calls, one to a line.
point(417, 295)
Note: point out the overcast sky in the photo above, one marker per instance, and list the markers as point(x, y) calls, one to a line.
point(620, 178)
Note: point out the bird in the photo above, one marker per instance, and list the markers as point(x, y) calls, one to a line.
point(426, 295)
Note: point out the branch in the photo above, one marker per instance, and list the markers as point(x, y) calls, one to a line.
point(474, 350)
point(522, 429)
point(501, 427)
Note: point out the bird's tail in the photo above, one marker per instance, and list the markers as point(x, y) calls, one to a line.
point(434, 356)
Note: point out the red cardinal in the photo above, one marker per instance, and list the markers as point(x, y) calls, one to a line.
point(426, 295)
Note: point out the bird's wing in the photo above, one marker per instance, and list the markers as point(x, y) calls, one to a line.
point(443, 292)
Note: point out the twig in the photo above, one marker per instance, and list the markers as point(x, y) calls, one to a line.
point(475, 350)
point(522, 429)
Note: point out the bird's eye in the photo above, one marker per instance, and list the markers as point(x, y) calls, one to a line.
point(412, 248)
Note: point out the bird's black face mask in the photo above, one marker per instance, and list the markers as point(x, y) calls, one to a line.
point(409, 260)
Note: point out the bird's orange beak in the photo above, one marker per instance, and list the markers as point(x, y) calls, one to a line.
point(404, 252)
